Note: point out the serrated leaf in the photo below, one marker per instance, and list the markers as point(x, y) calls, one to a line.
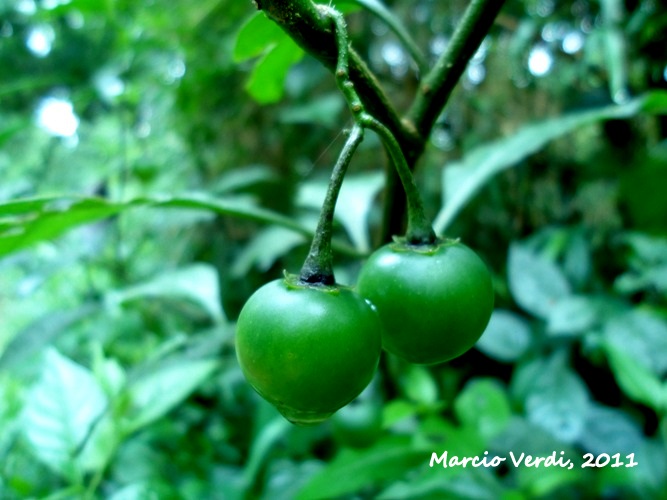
point(636, 381)
point(462, 180)
point(156, 393)
point(59, 413)
point(256, 35)
point(507, 336)
point(197, 283)
point(267, 79)
point(535, 282)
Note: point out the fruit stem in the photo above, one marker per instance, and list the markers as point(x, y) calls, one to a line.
point(419, 230)
point(318, 267)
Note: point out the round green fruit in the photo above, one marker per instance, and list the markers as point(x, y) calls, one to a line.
point(308, 350)
point(434, 301)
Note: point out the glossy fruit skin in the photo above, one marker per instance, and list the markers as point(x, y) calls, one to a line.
point(308, 350)
point(434, 302)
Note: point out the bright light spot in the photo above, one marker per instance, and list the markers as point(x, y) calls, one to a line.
point(442, 139)
point(52, 4)
point(57, 117)
point(664, 73)
point(75, 19)
point(438, 45)
point(573, 42)
point(476, 73)
point(176, 70)
point(27, 7)
point(621, 96)
point(480, 54)
point(554, 31)
point(108, 84)
point(143, 130)
point(40, 40)
point(539, 61)
point(394, 56)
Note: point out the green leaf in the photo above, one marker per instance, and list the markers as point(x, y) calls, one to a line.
point(32, 339)
point(554, 396)
point(483, 405)
point(145, 489)
point(450, 484)
point(507, 336)
point(267, 79)
point(610, 430)
point(246, 177)
point(101, 444)
point(419, 385)
point(264, 249)
point(636, 381)
point(286, 477)
point(642, 335)
point(462, 180)
point(354, 204)
point(396, 411)
point(572, 315)
point(197, 283)
point(29, 221)
point(164, 388)
point(536, 283)
point(324, 110)
point(60, 410)
point(25, 222)
point(616, 50)
point(352, 470)
point(257, 35)
point(261, 446)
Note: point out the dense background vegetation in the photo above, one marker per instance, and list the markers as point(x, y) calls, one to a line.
point(161, 160)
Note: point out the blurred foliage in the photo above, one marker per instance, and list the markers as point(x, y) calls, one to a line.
point(161, 160)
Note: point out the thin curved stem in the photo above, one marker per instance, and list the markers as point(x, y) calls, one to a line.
point(318, 267)
point(419, 230)
point(309, 25)
point(438, 85)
